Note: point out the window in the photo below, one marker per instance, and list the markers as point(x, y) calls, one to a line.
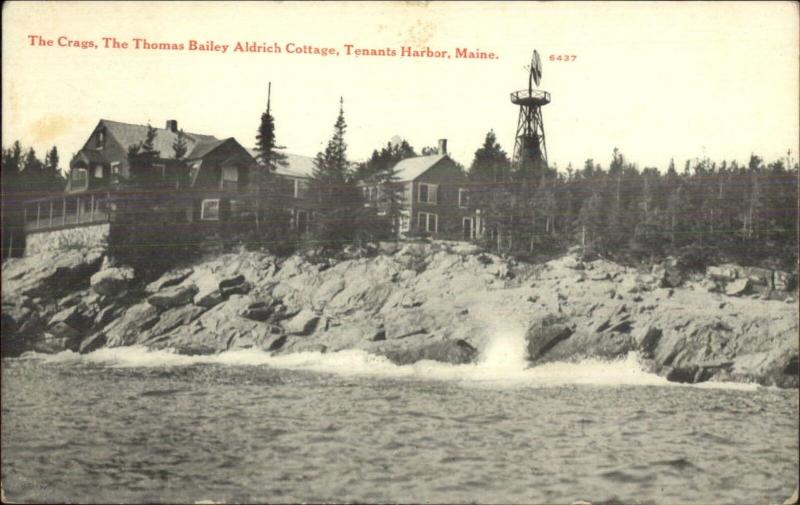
point(101, 138)
point(428, 222)
point(427, 193)
point(115, 168)
point(302, 221)
point(79, 177)
point(300, 188)
point(98, 171)
point(230, 177)
point(209, 210)
point(463, 198)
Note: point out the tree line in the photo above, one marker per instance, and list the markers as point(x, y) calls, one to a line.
point(710, 211)
point(23, 176)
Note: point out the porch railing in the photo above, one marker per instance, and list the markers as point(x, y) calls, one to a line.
point(66, 211)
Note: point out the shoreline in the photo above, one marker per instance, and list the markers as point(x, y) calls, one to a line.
point(410, 302)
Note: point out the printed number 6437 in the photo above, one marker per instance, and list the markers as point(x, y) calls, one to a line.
point(563, 57)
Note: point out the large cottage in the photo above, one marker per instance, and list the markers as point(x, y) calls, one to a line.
point(210, 182)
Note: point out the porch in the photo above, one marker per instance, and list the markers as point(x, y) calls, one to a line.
point(66, 211)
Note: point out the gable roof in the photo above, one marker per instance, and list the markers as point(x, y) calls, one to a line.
point(297, 164)
point(205, 147)
point(411, 168)
point(127, 134)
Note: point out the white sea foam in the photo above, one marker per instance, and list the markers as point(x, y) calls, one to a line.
point(502, 364)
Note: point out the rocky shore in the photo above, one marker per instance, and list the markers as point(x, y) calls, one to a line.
point(410, 301)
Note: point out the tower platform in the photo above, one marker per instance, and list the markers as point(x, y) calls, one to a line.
point(535, 97)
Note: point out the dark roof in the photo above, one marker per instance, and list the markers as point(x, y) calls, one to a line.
point(89, 156)
point(205, 147)
point(411, 168)
point(128, 134)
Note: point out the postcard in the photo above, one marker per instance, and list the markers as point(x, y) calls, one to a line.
point(400, 252)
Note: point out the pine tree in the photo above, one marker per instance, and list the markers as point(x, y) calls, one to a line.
point(148, 151)
point(337, 197)
point(268, 208)
point(266, 143)
point(179, 147)
point(491, 187)
point(491, 163)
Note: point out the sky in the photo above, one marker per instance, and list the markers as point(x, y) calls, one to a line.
point(656, 80)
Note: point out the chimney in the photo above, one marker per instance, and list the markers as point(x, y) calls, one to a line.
point(172, 125)
point(442, 146)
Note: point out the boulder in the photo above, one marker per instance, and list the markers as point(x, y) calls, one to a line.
point(721, 273)
point(208, 299)
point(238, 289)
point(112, 281)
point(647, 339)
point(169, 279)
point(106, 315)
point(410, 300)
point(258, 311)
point(783, 281)
point(92, 343)
point(173, 297)
point(407, 322)
point(327, 291)
point(304, 323)
point(546, 333)
point(456, 352)
point(51, 344)
point(71, 316)
point(231, 282)
point(171, 319)
point(738, 287)
point(135, 320)
point(760, 276)
point(70, 300)
point(51, 275)
point(63, 330)
point(217, 330)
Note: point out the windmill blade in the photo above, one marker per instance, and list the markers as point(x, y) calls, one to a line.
point(536, 67)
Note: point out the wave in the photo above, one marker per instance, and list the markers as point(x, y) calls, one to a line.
point(499, 366)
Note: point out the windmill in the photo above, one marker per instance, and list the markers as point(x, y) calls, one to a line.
point(530, 151)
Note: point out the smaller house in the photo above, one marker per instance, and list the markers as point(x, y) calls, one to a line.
point(294, 182)
point(435, 197)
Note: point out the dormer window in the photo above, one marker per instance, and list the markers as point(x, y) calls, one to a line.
point(79, 178)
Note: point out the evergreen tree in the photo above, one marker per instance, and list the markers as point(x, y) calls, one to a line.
point(338, 199)
point(179, 147)
point(266, 143)
point(491, 163)
point(148, 151)
point(268, 209)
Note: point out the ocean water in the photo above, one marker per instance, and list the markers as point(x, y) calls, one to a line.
point(132, 425)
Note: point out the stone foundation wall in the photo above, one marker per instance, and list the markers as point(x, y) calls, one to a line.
point(84, 237)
